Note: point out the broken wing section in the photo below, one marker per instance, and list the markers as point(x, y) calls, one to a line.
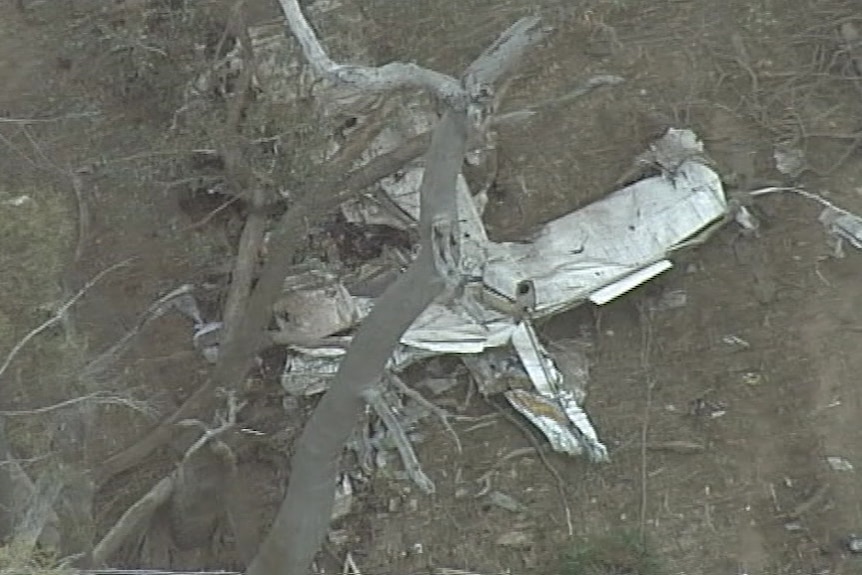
point(594, 250)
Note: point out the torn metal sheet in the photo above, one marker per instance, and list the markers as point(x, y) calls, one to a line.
point(496, 371)
point(548, 416)
point(673, 149)
point(610, 246)
point(206, 338)
point(576, 428)
point(309, 371)
point(315, 305)
point(839, 463)
point(343, 498)
point(843, 227)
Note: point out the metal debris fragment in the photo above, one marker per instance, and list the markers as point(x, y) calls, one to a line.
point(307, 371)
point(206, 339)
point(343, 498)
point(839, 463)
point(843, 227)
point(673, 149)
point(735, 341)
point(314, 305)
point(548, 417)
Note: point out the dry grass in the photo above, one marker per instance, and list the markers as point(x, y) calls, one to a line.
point(36, 230)
point(18, 558)
point(615, 553)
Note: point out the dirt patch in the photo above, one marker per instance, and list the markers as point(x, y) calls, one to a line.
point(720, 414)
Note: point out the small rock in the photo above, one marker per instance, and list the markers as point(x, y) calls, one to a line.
point(504, 501)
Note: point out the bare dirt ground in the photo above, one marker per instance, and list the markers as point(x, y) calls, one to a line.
point(718, 449)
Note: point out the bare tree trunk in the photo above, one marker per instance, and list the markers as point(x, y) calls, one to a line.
point(303, 519)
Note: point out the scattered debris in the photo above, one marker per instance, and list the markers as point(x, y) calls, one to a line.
point(595, 254)
point(854, 543)
point(674, 149)
point(735, 341)
point(746, 220)
point(702, 407)
point(793, 526)
point(307, 371)
point(206, 339)
point(839, 463)
point(752, 378)
point(842, 226)
point(619, 243)
point(18, 201)
point(343, 498)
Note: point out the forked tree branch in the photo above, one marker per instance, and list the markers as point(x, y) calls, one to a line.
point(365, 79)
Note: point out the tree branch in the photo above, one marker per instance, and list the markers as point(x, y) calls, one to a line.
point(504, 54)
point(382, 79)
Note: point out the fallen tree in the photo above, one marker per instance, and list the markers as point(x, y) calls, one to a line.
point(302, 520)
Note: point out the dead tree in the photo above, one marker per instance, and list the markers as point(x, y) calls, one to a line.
point(303, 518)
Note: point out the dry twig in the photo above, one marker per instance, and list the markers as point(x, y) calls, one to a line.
point(59, 314)
point(441, 413)
point(537, 447)
point(241, 180)
point(138, 516)
point(646, 372)
point(98, 398)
